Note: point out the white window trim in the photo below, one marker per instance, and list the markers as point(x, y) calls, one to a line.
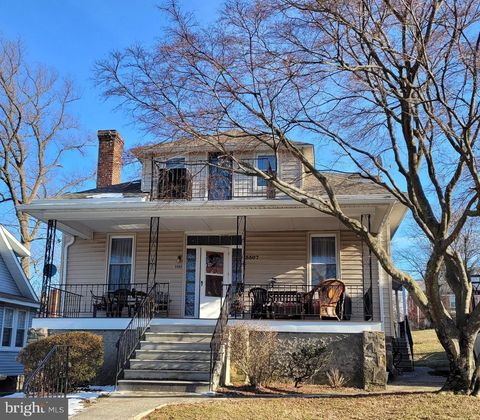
point(109, 248)
point(311, 235)
point(12, 346)
point(257, 187)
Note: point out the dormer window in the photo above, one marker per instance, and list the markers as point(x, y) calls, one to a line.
point(268, 164)
point(175, 163)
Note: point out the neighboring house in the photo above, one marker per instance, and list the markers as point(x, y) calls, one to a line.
point(417, 318)
point(195, 226)
point(18, 304)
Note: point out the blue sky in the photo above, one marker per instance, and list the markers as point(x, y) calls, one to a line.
point(70, 35)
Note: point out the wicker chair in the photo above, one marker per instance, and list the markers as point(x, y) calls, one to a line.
point(330, 293)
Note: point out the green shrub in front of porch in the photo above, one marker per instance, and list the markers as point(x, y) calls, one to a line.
point(86, 355)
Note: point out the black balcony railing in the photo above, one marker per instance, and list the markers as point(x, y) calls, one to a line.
point(203, 180)
point(300, 301)
point(101, 300)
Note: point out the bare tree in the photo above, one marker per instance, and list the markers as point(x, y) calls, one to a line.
point(36, 133)
point(391, 85)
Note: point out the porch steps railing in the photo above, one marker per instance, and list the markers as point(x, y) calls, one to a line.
point(218, 341)
point(135, 330)
point(51, 377)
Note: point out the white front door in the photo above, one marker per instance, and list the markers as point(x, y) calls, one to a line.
point(215, 275)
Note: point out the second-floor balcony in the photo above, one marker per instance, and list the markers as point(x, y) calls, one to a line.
point(215, 179)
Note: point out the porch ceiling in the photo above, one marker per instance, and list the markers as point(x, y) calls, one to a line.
point(208, 224)
point(191, 217)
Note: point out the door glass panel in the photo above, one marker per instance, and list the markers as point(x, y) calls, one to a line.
point(214, 263)
point(213, 286)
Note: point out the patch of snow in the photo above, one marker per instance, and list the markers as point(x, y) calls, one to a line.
point(15, 395)
point(77, 399)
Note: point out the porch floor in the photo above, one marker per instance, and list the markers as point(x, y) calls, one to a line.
point(318, 326)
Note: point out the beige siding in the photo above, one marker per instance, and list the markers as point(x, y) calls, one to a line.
point(87, 262)
point(283, 255)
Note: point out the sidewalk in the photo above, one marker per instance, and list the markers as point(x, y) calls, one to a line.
point(131, 405)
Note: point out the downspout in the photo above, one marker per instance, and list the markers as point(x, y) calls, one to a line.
point(67, 241)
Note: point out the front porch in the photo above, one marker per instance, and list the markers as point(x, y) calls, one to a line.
point(251, 301)
point(274, 258)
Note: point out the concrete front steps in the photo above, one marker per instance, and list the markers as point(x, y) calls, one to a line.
point(170, 359)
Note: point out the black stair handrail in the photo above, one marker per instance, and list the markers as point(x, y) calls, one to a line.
point(135, 330)
point(218, 337)
point(408, 334)
point(50, 378)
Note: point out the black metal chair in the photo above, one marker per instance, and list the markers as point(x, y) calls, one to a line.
point(99, 303)
point(259, 306)
point(118, 300)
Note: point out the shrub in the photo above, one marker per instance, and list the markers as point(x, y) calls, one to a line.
point(86, 355)
point(300, 359)
point(252, 352)
point(335, 378)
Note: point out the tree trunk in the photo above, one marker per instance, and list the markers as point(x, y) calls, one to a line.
point(25, 235)
point(462, 375)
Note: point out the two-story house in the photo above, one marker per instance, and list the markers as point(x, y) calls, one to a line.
point(205, 235)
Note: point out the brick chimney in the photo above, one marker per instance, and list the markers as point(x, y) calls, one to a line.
point(110, 149)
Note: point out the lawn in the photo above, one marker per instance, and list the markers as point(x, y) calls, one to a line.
point(406, 406)
point(427, 350)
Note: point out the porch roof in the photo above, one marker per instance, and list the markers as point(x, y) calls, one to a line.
point(117, 213)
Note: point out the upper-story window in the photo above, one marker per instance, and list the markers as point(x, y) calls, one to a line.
point(120, 264)
point(268, 164)
point(175, 163)
point(323, 258)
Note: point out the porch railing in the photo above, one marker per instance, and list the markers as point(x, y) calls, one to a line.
point(50, 378)
point(202, 180)
point(289, 301)
point(135, 330)
point(219, 337)
point(101, 300)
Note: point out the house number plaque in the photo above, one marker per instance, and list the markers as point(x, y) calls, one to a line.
point(251, 257)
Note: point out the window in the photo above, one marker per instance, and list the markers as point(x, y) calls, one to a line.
point(268, 164)
point(175, 163)
point(21, 328)
point(121, 262)
point(14, 327)
point(452, 302)
point(191, 274)
point(323, 258)
point(7, 327)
